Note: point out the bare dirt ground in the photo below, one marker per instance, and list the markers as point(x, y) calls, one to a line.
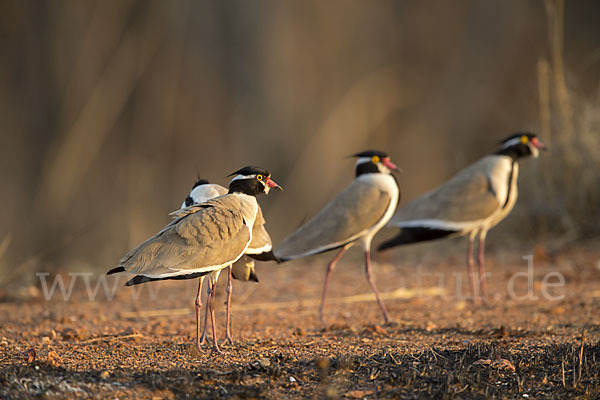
point(140, 343)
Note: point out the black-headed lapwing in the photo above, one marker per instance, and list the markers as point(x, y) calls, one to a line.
point(470, 203)
point(203, 238)
point(243, 269)
point(354, 216)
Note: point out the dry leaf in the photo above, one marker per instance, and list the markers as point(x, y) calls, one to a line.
point(54, 359)
point(379, 330)
point(29, 356)
point(358, 394)
point(501, 363)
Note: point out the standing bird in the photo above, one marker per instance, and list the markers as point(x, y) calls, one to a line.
point(243, 269)
point(354, 216)
point(202, 239)
point(470, 203)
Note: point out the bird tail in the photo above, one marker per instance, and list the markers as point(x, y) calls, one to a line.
point(416, 235)
point(266, 256)
point(115, 270)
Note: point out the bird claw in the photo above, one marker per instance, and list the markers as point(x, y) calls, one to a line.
point(228, 340)
point(201, 341)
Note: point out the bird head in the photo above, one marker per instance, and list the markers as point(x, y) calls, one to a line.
point(252, 181)
point(522, 144)
point(374, 161)
point(203, 191)
point(193, 197)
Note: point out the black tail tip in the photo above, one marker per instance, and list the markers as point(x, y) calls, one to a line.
point(384, 246)
point(266, 256)
point(115, 270)
point(138, 279)
point(415, 235)
point(393, 242)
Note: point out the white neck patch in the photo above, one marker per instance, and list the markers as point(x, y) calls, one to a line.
point(239, 176)
point(511, 142)
point(362, 160)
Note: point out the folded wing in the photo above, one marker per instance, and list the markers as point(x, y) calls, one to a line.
point(468, 197)
point(353, 212)
point(201, 239)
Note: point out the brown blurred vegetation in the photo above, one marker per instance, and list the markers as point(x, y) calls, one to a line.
point(109, 109)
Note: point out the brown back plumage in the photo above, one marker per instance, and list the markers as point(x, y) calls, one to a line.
point(201, 238)
point(345, 219)
point(468, 196)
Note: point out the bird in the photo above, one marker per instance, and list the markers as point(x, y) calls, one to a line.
point(202, 238)
point(243, 269)
point(471, 203)
point(353, 217)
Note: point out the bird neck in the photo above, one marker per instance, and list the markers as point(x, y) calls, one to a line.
point(250, 187)
point(366, 168)
point(515, 152)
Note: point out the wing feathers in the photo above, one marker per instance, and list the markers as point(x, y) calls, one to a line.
point(203, 238)
point(468, 196)
point(348, 217)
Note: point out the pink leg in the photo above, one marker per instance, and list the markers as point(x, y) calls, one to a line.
point(206, 311)
point(372, 283)
point(470, 265)
point(228, 338)
point(330, 268)
point(198, 307)
point(480, 261)
point(212, 318)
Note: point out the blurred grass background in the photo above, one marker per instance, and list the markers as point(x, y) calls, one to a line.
point(110, 108)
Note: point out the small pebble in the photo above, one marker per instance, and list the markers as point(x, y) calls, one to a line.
point(264, 362)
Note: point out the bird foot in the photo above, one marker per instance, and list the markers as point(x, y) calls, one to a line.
point(390, 323)
point(201, 340)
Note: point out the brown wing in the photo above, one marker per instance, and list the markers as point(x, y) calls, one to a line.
point(204, 238)
point(358, 208)
point(466, 197)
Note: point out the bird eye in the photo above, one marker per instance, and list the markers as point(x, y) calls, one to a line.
point(524, 139)
point(375, 159)
point(259, 177)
